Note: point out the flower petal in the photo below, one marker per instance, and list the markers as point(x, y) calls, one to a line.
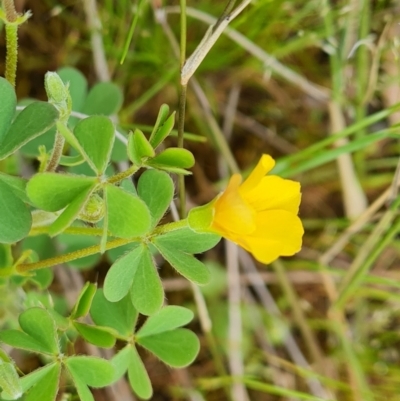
point(274, 192)
point(265, 164)
point(278, 233)
point(231, 213)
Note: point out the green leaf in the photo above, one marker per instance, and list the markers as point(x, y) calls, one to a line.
point(8, 101)
point(120, 315)
point(156, 189)
point(94, 372)
point(99, 336)
point(96, 137)
point(36, 376)
point(165, 128)
point(161, 117)
point(70, 161)
point(104, 98)
point(9, 381)
point(173, 159)
point(139, 147)
point(128, 216)
point(121, 361)
point(147, 292)
point(16, 184)
point(187, 240)
point(71, 212)
point(121, 274)
point(36, 119)
point(15, 218)
point(82, 389)
point(19, 339)
point(53, 192)
point(177, 348)
point(46, 388)
point(167, 319)
point(138, 377)
point(84, 301)
point(185, 264)
point(38, 324)
point(77, 85)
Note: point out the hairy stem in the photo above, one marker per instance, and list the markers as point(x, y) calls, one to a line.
point(56, 153)
point(12, 52)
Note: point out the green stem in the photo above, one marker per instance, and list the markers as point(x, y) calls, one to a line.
point(12, 52)
point(123, 174)
point(56, 152)
point(98, 232)
point(182, 109)
point(183, 32)
point(91, 250)
point(165, 228)
point(68, 257)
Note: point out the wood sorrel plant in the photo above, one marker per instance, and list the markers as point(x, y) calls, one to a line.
point(76, 192)
point(119, 214)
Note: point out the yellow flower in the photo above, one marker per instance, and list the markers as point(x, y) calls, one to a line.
point(259, 214)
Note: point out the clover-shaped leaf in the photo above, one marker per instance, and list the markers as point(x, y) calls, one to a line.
point(135, 272)
point(84, 301)
point(104, 98)
point(186, 240)
point(120, 316)
point(128, 360)
point(99, 336)
point(139, 147)
point(175, 346)
point(167, 319)
point(128, 215)
point(147, 293)
point(174, 160)
point(162, 127)
point(39, 333)
point(15, 218)
point(95, 136)
point(36, 119)
point(187, 265)
point(121, 274)
point(9, 379)
point(71, 212)
point(42, 384)
point(8, 101)
point(53, 192)
point(156, 189)
point(89, 371)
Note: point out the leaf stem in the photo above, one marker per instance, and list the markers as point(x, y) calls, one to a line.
point(68, 257)
point(12, 53)
point(182, 108)
point(91, 250)
point(56, 152)
point(123, 174)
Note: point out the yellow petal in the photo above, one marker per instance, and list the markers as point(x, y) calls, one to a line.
point(231, 213)
point(274, 192)
point(265, 164)
point(278, 233)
